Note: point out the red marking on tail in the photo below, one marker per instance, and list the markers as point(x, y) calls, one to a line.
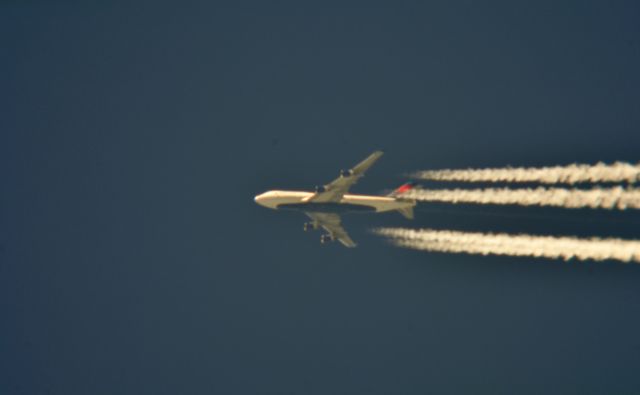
point(404, 188)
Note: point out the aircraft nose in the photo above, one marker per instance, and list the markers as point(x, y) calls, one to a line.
point(265, 199)
point(258, 199)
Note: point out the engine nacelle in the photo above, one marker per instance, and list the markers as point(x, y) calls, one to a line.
point(346, 173)
point(320, 188)
point(325, 239)
point(309, 226)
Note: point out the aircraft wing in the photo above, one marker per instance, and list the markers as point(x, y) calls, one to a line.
point(333, 191)
point(331, 223)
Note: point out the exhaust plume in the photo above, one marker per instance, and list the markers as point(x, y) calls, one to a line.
point(605, 198)
point(566, 248)
point(571, 174)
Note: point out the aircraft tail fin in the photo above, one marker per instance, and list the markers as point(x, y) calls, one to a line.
point(402, 189)
point(406, 212)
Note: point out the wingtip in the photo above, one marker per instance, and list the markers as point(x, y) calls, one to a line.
point(348, 243)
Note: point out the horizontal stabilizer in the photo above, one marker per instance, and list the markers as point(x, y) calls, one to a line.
point(406, 212)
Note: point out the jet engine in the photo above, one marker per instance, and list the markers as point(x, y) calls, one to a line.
point(346, 173)
point(320, 189)
point(325, 239)
point(309, 226)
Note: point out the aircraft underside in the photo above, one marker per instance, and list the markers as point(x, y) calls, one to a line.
point(328, 207)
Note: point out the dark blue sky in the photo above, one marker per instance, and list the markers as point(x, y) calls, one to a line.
point(133, 259)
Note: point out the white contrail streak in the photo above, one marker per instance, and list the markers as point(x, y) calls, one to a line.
point(515, 245)
point(571, 174)
point(606, 198)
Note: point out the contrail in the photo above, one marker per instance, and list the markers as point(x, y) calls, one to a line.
point(605, 198)
point(571, 174)
point(515, 245)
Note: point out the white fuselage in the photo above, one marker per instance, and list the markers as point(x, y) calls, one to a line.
point(301, 200)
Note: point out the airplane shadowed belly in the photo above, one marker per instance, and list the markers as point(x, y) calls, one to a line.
point(327, 207)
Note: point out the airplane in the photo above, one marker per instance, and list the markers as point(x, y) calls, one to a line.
point(324, 205)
